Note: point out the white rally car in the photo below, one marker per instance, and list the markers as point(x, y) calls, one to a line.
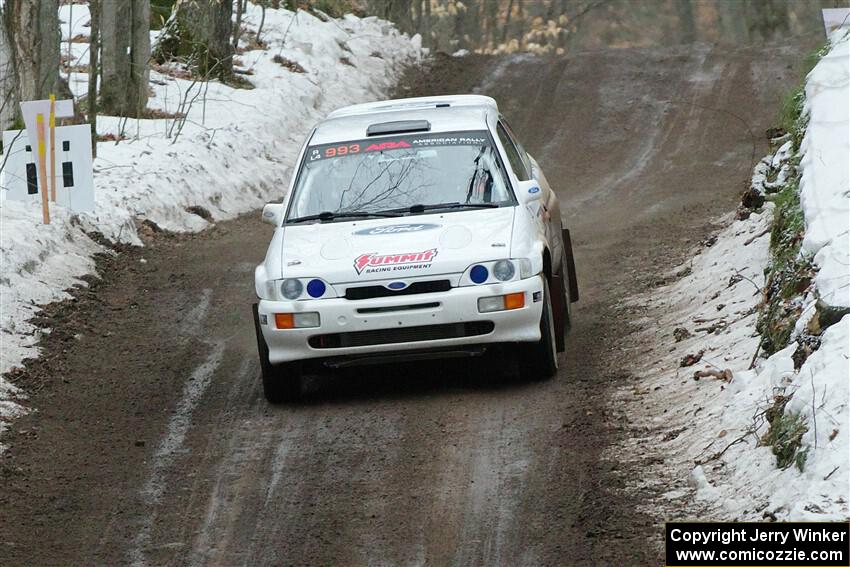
point(412, 229)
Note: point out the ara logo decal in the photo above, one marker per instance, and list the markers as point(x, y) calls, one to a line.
point(397, 229)
point(374, 263)
point(388, 146)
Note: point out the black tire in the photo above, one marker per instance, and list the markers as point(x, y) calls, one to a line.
point(281, 382)
point(541, 358)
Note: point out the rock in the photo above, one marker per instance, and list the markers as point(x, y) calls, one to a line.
point(829, 315)
point(691, 359)
point(681, 333)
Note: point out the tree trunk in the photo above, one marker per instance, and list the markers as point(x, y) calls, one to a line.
point(507, 28)
point(204, 30)
point(237, 28)
point(126, 50)
point(262, 21)
point(8, 84)
point(398, 12)
point(520, 24)
point(417, 16)
point(94, 48)
point(687, 25)
point(32, 32)
point(427, 29)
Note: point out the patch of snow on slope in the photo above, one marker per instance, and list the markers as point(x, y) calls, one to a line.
point(235, 153)
point(705, 434)
point(825, 183)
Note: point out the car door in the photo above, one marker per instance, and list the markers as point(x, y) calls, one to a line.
point(525, 167)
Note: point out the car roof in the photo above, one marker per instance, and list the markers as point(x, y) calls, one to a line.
point(448, 113)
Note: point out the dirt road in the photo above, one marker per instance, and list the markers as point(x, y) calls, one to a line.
point(152, 444)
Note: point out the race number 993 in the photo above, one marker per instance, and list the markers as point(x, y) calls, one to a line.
point(342, 150)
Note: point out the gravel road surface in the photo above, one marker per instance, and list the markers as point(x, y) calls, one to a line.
point(152, 443)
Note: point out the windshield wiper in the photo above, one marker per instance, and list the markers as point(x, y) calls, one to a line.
point(329, 215)
point(420, 208)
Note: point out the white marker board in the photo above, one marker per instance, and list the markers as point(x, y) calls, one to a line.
point(21, 179)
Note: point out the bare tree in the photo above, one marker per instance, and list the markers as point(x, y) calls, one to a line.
point(427, 24)
point(94, 49)
point(262, 4)
point(204, 29)
point(8, 84)
point(237, 28)
point(399, 12)
point(32, 32)
point(126, 51)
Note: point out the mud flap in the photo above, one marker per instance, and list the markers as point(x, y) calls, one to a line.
point(571, 264)
point(559, 310)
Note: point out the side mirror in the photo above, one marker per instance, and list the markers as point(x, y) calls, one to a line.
point(528, 191)
point(273, 214)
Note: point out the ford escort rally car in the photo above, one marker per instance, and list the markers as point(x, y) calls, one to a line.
point(412, 229)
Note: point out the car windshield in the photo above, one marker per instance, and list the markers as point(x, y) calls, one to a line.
point(404, 174)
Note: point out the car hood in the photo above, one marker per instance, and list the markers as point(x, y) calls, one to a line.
point(412, 246)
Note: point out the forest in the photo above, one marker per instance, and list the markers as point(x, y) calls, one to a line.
point(203, 36)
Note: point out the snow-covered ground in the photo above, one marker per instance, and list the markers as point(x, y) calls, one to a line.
point(235, 153)
point(704, 399)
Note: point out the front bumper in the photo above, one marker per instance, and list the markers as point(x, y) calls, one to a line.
point(408, 322)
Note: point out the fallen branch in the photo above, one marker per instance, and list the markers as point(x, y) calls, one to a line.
point(725, 375)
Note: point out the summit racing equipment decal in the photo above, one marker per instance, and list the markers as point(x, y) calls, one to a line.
point(396, 229)
point(373, 263)
point(401, 142)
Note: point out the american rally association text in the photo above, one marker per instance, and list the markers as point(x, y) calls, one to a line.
point(756, 533)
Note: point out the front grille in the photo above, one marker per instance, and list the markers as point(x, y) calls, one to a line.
point(370, 291)
point(402, 335)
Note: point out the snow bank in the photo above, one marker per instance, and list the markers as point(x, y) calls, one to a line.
point(825, 182)
point(706, 424)
point(235, 152)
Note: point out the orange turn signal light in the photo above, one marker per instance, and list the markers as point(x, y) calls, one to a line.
point(515, 300)
point(284, 321)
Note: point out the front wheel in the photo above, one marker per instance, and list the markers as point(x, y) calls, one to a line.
point(281, 382)
point(540, 359)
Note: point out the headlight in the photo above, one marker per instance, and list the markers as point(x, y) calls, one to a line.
point(504, 270)
point(291, 288)
point(497, 271)
point(478, 274)
point(316, 288)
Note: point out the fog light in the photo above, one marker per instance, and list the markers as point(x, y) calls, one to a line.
point(501, 302)
point(303, 320)
point(291, 288)
point(504, 270)
point(490, 304)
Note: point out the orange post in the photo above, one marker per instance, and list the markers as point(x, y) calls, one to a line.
point(42, 168)
point(53, 148)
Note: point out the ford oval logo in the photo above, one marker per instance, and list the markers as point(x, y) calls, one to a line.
point(397, 229)
point(396, 285)
point(534, 190)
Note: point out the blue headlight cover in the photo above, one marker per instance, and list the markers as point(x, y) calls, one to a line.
point(316, 288)
point(478, 274)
